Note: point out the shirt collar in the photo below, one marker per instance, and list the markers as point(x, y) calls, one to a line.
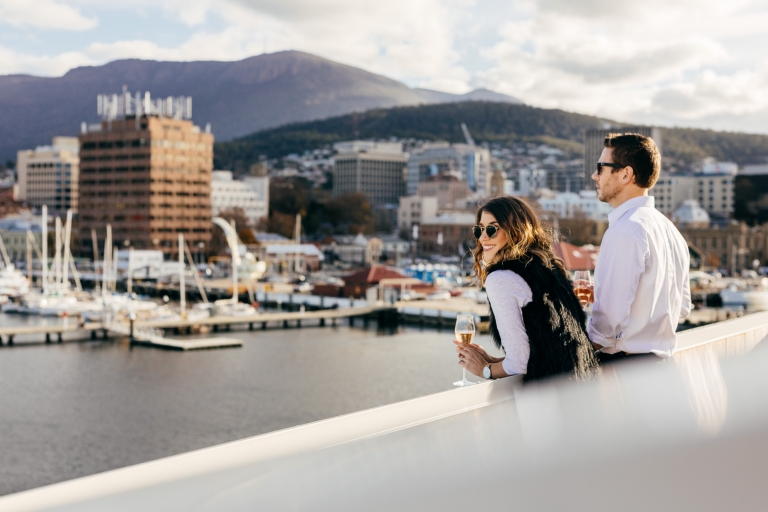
point(631, 204)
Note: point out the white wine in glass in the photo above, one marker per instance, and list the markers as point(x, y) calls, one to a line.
point(465, 333)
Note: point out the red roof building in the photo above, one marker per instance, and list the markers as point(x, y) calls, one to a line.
point(577, 258)
point(356, 284)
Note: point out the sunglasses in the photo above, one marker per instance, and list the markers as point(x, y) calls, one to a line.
point(599, 166)
point(477, 231)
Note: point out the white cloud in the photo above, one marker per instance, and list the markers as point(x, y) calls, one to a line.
point(629, 60)
point(43, 14)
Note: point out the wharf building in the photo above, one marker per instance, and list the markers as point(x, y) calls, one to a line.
point(48, 175)
point(593, 146)
point(147, 174)
point(466, 162)
point(251, 195)
point(376, 169)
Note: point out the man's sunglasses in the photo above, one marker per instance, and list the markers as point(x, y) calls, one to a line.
point(477, 231)
point(600, 165)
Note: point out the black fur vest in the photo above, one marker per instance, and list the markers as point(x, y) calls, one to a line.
point(554, 323)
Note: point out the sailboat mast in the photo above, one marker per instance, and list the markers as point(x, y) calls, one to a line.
point(65, 266)
point(57, 255)
point(45, 249)
point(182, 291)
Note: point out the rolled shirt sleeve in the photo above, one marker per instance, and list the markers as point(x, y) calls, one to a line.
point(621, 262)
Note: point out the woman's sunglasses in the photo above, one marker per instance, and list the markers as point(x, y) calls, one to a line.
point(477, 231)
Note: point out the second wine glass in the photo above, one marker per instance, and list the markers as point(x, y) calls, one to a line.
point(583, 287)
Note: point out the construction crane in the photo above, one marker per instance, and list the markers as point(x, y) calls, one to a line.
point(471, 181)
point(467, 136)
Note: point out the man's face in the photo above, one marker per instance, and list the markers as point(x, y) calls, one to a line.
point(608, 182)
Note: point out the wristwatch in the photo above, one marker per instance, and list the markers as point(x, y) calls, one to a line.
point(487, 372)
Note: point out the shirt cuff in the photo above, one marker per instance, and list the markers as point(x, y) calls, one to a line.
point(596, 337)
point(512, 367)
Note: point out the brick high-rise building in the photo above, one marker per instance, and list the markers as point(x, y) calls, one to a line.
point(150, 180)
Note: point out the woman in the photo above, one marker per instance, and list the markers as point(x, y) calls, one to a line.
point(535, 315)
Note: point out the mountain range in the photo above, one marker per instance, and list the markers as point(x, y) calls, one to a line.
point(237, 98)
point(488, 122)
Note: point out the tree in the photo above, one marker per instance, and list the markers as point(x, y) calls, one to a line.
point(351, 213)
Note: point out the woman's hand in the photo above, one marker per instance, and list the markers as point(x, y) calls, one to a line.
point(472, 357)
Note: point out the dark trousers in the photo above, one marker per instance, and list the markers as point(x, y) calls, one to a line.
point(604, 358)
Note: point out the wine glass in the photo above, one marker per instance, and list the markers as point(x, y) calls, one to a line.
point(583, 287)
point(465, 333)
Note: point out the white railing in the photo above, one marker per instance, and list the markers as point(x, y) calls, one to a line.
point(439, 443)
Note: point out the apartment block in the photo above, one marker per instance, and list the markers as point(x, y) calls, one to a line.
point(48, 175)
point(447, 189)
point(416, 210)
point(715, 193)
point(251, 195)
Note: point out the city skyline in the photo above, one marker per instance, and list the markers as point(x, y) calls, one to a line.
point(623, 61)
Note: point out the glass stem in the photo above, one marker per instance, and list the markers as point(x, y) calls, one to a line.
point(464, 374)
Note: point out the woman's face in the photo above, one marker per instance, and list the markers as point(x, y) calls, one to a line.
point(491, 246)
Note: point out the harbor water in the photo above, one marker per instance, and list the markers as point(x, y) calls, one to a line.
point(87, 406)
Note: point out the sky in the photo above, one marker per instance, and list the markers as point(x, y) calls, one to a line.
point(701, 63)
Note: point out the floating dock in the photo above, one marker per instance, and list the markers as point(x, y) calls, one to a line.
point(194, 344)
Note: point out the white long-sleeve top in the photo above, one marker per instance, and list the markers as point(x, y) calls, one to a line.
point(508, 293)
point(641, 281)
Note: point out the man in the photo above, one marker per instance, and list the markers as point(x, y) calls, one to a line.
point(641, 277)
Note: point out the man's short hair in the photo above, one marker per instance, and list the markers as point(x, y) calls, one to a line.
point(636, 151)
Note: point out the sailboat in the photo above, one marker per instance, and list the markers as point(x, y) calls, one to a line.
point(232, 307)
point(12, 282)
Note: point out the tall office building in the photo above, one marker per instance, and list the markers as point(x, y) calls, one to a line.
point(468, 163)
point(593, 146)
point(48, 175)
point(146, 174)
point(377, 169)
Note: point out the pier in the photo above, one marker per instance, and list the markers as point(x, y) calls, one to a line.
point(263, 319)
point(7, 334)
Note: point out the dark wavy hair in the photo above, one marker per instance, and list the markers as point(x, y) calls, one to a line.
point(636, 151)
point(527, 238)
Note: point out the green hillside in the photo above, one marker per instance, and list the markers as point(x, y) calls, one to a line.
point(488, 122)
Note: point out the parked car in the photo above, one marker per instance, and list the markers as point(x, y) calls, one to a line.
point(411, 295)
point(439, 295)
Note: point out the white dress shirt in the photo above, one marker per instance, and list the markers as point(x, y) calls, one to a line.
point(641, 281)
point(508, 293)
